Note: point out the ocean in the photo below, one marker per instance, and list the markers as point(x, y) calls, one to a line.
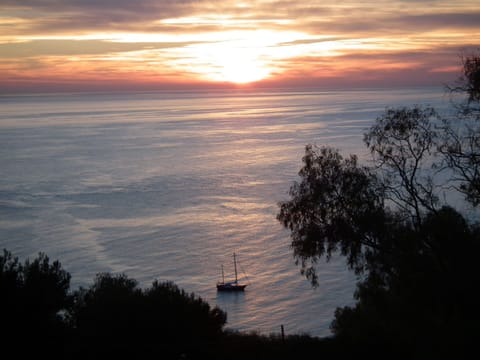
point(168, 185)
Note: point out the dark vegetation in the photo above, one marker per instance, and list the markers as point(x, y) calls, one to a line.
point(114, 318)
point(415, 256)
point(414, 253)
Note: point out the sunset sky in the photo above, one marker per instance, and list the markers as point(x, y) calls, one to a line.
point(160, 44)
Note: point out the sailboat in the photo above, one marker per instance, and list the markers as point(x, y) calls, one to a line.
point(231, 285)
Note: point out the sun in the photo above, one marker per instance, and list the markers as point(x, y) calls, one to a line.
point(238, 66)
point(241, 59)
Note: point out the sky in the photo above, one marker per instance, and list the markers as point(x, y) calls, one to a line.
point(57, 45)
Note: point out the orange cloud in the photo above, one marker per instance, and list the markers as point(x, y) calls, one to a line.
point(202, 42)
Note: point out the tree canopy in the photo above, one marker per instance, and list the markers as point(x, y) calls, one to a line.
point(115, 305)
point(115, 318)
point(112, 317)
point(413, 252)
point(33, 294)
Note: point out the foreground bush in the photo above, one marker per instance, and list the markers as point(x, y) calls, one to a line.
point(115, 315)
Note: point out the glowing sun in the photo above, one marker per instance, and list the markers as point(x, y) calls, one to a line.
point(237, 56)
point(241, 60)
point(238, 66)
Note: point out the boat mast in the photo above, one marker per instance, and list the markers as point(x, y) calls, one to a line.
point(235, 264)
point(223, 276)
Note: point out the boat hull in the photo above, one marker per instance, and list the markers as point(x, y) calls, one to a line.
point(230, 287)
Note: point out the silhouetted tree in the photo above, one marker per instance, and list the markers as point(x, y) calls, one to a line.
point(34, 297)
point(338, 205)
point(173, 312)
point(460, 143)
point(114, 315)
point(414, 254)
point(469, 81)
point(110, 307)
point(424, 295)
point(34, 293)
point(402, 142)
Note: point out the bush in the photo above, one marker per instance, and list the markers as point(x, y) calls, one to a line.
point(114, 315)
point(33, 295)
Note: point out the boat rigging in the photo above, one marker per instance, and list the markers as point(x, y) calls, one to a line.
point(231, 285)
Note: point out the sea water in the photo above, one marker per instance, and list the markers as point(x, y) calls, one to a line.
point(168, 185)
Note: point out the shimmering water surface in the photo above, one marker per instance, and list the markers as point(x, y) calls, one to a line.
point(167, 186)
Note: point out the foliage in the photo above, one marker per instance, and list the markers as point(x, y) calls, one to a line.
point(111, 317)
point(162, 319)
point(469, 81)
point(414, 255)
point(337, 206)
point(427, 292)
point(402, 141)
point(115, 318)
point(460, 143)
point(182, 313)
point(108, 307)
point(33, 294)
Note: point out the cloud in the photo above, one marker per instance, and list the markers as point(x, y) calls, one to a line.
point(173, 40)
point(49, 16)
point(316, 17)
point(37, 48)
point(458, 20)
